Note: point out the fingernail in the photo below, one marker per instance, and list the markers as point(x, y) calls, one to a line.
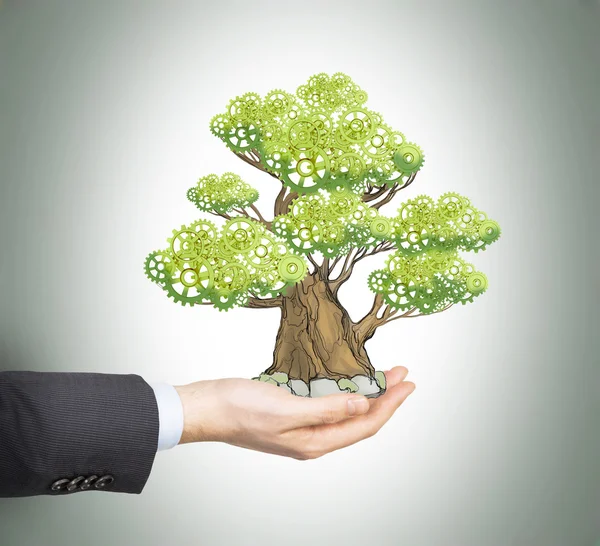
point(357, 406)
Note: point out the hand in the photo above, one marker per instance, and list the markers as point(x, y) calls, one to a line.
point(263, 417)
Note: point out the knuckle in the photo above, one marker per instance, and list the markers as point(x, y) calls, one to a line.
point(329, 416)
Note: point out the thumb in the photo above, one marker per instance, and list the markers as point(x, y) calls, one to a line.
point(327, 410)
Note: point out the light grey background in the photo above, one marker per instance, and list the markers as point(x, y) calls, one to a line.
point(104, 125)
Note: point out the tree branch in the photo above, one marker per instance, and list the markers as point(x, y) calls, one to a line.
point(221, 214)
point(285, 205)
point(333, 264)
point(277, 207)
point(267, 303)
point(312, 261)
point(409, 314)
point(371, 196)
point(260, 216)
point(324, 269)
point(365, 327)
point(349, 262)
point(387, 193)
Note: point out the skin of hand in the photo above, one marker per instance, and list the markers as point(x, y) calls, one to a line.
point(260, 416)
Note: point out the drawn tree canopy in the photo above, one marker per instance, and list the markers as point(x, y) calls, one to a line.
point(337, 164)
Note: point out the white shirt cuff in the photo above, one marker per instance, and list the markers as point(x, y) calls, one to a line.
point(170, 415)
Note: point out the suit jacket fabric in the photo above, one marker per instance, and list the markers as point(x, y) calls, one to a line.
point(82, 428)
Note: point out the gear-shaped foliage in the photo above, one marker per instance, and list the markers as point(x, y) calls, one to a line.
point(331, 222)
point(222, 193)
point(203, 264)
point(322, 134)
point(325, 145)
point(426, 272)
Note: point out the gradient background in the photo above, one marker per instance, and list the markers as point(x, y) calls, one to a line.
point(104, 125)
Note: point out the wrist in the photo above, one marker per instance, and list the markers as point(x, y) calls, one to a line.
point(195, 401)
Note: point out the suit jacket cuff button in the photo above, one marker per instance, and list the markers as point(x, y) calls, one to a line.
point(104, 481)
point(58, 485)
point(86, 484)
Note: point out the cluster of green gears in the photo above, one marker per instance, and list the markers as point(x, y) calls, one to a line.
point(426, 272)
point(331, 222)
point(322, 135)
point(326, 146)
point(226, 266)
point(222, 194)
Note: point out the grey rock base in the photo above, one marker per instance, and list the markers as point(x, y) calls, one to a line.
point(360, 384)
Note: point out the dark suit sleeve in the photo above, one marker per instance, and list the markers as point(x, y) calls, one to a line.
point(62, 433)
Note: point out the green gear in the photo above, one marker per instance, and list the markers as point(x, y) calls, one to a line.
point(219, 125)
point(206, 231)
point(416, 240)
point(362, 214)
point(223, 298)
point(283, 226)
point(185, 245)
point(186, 295)
point(305, 236)
point(241, 137)
point(245, 108)
point(380, 144)
point(292, 269)
point(402, 294)
point(277, 103)
point(241, 299)
point(489, 231)
point(379, 281)
point(408, 158)
point(264, 254)
point(307, 171)
point(477, 283)
point(240, 234)
point(200, 277)
point(303, 135)
point(357, 125)
point(380, 227)
point(193, 194)
point(451, 206)
point(276, 156)
point(159, 267)
point(468, 220)
point(453, 271)
point(343, 204)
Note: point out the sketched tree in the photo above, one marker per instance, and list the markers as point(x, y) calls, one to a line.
point(337, 164)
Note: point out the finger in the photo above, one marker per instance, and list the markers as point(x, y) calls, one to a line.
point(395, 376)
point(325, 410)
point(327, 438)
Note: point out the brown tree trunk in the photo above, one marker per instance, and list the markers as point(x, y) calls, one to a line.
point(316, 336)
